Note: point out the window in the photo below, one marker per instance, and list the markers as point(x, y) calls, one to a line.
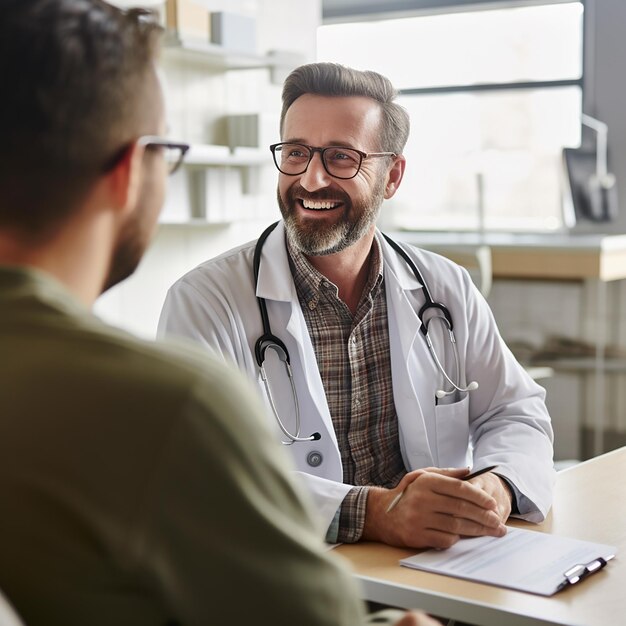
point(494, 96)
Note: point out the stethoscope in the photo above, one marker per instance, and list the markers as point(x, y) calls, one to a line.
point(270, 341)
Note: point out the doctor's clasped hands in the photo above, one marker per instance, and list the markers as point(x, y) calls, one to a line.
point(436, 509)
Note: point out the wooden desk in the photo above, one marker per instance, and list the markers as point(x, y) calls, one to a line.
point(550, 256)
point(589, 503)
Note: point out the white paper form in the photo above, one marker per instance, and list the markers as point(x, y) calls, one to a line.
point(524, 560)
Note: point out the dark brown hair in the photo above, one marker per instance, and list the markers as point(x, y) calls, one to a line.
point(76, 76)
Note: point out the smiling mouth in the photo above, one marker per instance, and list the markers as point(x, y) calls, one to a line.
point(319, 205)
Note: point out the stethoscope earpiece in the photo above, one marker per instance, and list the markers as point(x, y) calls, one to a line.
point(441, 393)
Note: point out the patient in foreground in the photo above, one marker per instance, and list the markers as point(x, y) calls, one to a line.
point(138, 486)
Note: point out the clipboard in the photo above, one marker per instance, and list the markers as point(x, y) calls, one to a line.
point(523, 560)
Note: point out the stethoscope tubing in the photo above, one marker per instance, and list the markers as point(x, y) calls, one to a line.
point(270, 341)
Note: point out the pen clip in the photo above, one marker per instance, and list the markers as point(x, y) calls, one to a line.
point(581, 571)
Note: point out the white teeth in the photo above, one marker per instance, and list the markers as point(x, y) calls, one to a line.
point(309, 204)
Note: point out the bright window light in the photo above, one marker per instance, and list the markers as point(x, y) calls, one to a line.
point(490, 153)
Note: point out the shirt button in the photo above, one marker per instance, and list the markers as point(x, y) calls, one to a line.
point(312, 304)
point(315, 458)
point(357, 400)
point(354, 340)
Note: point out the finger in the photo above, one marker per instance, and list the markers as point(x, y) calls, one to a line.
point(454, 488)
point(495, 486)
point(410, 477)
point(452, 508)
point(431, 490)
point(452, 472)
point(407, 479)
point(465, 527)
point(462, 510)
point(465, 509)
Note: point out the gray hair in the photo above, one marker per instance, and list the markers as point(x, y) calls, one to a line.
point(333, 79)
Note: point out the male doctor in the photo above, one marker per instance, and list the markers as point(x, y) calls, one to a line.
point(368, 414)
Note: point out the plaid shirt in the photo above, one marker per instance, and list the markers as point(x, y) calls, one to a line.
point(354, 362)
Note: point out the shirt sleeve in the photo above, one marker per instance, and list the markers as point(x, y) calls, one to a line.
point(352, 515)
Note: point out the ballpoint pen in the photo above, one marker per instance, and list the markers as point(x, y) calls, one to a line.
point(484, 470)
point(395, 501)
point(469, 476)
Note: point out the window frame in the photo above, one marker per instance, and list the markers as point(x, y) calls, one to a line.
point(338, 11)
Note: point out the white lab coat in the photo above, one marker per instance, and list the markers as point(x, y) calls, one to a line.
point(504, 422)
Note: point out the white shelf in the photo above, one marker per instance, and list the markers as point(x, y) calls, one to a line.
point(201, 156)
point(279, 62)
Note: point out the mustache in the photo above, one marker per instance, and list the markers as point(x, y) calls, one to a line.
point(296, 191)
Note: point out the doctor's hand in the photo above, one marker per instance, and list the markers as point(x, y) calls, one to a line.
point(435, 510)
point(497, 488)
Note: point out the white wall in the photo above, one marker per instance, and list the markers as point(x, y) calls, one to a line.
point(198, 98)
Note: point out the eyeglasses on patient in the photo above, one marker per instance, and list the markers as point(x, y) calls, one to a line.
point(174, 152)
point(293, 159)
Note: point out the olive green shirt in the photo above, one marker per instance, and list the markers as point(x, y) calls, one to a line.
point(138, 485)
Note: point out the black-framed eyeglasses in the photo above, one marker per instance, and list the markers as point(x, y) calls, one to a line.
point(174, 152)
point(293, 159)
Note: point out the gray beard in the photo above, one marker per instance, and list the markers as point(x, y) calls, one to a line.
point(314, 241)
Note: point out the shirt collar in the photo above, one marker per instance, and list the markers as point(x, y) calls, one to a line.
point(309, 281)
point(24, 283)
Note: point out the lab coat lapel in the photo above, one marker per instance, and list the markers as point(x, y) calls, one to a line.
point(411, 364)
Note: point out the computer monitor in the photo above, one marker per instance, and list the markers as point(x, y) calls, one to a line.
point(586, 196)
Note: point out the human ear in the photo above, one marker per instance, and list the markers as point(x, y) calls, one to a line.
point(124, 179)
point(394, 176)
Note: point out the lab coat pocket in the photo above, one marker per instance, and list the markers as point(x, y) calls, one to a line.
point(452, 423)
